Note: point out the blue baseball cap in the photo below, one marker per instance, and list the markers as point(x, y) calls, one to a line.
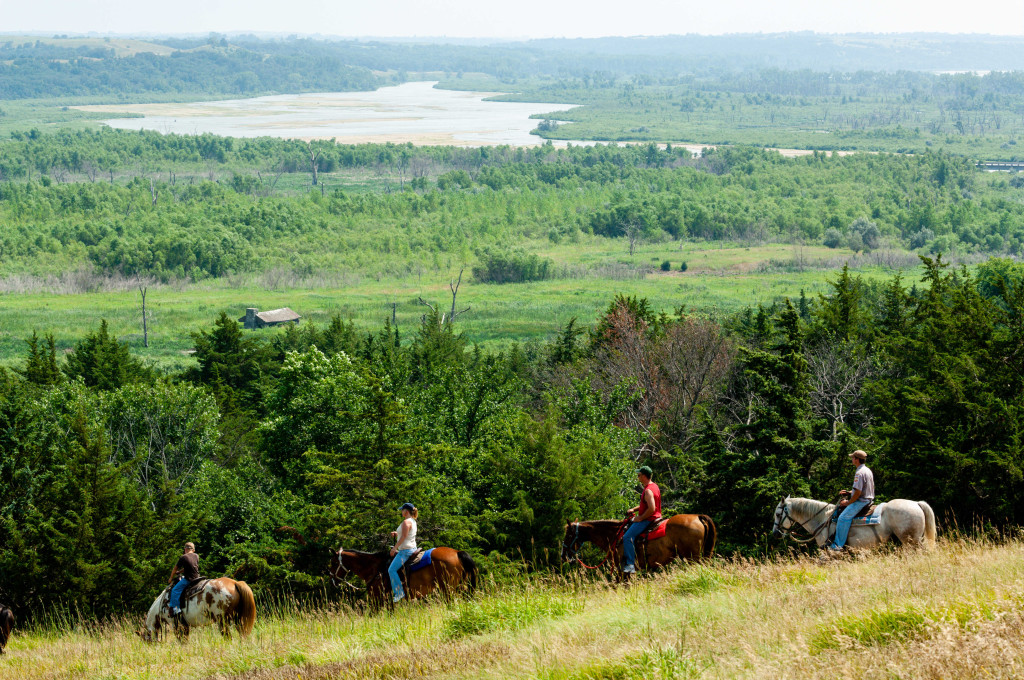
point(407, 506)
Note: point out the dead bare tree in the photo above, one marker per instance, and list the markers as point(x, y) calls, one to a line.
point(145, 329)
point(837, 377)
point(152, 190)
point(314, 162)
point(452, 314)
point(633, 232)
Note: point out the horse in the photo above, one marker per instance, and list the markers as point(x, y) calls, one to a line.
point(220, 601)
point(909, 522)
point(449, 571)
point(688, 537)
point(6, 626)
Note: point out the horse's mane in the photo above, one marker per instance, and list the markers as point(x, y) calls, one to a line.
point(380, 554)
point(808, 506)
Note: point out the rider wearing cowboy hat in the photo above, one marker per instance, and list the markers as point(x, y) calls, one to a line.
point(862, 495)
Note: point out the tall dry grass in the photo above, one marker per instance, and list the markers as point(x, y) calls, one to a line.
point(954, 611)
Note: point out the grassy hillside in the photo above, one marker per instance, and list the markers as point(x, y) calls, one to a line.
point(121, 47)
point(720, 278)
point(950, 612)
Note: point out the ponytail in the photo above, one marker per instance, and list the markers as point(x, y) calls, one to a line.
point(415, 513)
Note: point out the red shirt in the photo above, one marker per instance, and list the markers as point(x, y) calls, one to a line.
point(657, 501)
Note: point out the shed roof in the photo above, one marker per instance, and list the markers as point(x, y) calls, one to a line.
point(278, 315)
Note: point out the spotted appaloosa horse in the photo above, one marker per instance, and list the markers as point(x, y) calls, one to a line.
point(6, 626)
point(220, 601)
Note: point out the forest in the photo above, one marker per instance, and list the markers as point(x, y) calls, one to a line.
point(143, 204)
point(266, 452)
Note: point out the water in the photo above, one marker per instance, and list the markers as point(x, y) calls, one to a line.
point(411, 112)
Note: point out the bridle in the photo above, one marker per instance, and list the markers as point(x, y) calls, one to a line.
point(788, 531)
point(339, 576)
point(571, 551)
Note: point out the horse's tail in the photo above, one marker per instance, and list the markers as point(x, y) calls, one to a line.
point(929, 522)
point(246, 609)
point(470, 567)
point(710, 535)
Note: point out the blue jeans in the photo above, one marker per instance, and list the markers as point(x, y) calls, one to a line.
point(396, 583)
point(175, 599)
point(846, 519)
point(634, 530)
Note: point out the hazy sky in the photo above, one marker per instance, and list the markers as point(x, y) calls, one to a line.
point(511, 18)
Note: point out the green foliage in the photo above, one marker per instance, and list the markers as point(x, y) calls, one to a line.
point(41, 363)
point(876, 627)
point(512, 267)
point(511, 612)
point(100, 361)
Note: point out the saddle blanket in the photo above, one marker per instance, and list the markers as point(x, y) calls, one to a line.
point(870, 520)
point(423, 561)
point(657, 532)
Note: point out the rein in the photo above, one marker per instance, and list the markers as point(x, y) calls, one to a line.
point(575, 546)
point(340, 575)
point(788, 532)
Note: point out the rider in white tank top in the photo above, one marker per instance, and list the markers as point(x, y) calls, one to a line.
point(410, 538)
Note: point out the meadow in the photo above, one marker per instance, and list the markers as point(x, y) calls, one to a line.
point(953, 611)
point(721, 278)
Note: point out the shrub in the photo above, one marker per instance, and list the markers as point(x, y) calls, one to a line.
point(666, 266)
point(872, 628)
point(513, 611)
point(512, 267)
point(682, 266)
point(833, 238)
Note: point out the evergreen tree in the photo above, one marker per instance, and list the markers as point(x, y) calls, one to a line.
point(100, 361)
point(41, 363)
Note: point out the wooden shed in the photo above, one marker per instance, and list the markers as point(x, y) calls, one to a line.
point(275, 317)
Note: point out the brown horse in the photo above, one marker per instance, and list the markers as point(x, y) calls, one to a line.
point(6, 626)
point(688, 537)
point(220, 601)
point(449, 570)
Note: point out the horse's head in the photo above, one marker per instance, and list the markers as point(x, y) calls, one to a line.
point(572, 540)
point(337, 569)
point(781, 517)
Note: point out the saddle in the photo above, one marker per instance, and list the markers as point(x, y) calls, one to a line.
point(191, 589)
point(652, 532)
point(418, 560)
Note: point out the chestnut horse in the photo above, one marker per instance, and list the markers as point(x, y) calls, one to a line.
point(6, 626)
point(688, 537)
point(448, 571)
point(220, 601)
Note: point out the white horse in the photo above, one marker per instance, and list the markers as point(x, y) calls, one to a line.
point(220, 601)
point(910, 522)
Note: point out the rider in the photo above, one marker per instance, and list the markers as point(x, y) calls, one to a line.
point(188, 565)
point(405, 546)
point(861, 496)
point(642, 515)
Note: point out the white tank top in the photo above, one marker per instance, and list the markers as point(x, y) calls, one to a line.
point(410, 538)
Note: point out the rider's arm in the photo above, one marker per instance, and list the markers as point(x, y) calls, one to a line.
point(403, 531)
point(649, 499)
point(174, 572)
point(855, 495)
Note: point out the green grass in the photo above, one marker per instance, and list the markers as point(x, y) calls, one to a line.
point(721, 279)
point(953, 611)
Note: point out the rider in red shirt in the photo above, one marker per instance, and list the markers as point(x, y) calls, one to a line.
point(648, 511)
